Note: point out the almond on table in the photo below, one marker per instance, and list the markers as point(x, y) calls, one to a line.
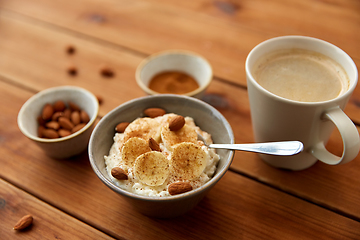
point(24, 222)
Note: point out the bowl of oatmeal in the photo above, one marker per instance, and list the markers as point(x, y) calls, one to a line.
point(148, 151)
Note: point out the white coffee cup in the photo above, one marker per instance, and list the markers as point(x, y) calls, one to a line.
point(276, 118)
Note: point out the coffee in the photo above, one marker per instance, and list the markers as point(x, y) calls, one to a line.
point(301, 75)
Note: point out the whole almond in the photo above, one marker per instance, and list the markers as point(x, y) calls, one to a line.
point(70, 50)
point(107, 72)
point(78, 127)
point(56, 116)
point(59, 106)
point(176, 123)
point(75, 117)
point(53, 125)
point(84, 117)
point(67, 113)
point(179, 187)
point(50, 133)
point(72, 70)
point(74, 106)
point(24, 222)
point(63, 132)
point(154, 145)
point(40, 131)
point(65, 123)
point(119, 173)
point(100, 99)
point(120, 128)
point(154, 112)
point(41, 121)
point(47, 112)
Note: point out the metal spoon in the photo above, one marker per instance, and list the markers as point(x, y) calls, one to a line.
point(285, 148)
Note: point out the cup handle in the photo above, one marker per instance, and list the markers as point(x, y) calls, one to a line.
point(349, 135)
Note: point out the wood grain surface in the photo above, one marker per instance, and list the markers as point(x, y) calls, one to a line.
point(252, 200)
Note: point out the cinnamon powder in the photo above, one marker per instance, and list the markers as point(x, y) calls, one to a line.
point(173, 82)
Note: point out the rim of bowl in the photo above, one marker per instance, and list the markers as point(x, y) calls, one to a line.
point(171, 52)
point(46, 92)
point(196, 191)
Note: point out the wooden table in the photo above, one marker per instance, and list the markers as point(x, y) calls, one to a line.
point(252, 201)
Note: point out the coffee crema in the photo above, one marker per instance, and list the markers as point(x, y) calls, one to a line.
point(173, 82)
point(301, 75)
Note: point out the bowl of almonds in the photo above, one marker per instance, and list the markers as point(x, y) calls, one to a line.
point(59, 120)
point(148, 150)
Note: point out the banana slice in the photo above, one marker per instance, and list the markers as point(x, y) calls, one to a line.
point(144, 128)
point(185, 134)
point(133, 148)
point(188, 161)
point(152, 168)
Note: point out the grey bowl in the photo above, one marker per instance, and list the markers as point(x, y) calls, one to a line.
point(205, 116)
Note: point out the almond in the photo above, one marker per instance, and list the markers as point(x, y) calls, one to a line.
point(154, 112)
point(75, 117)
point(56, 116)
point(78, 127)
point(119, 173)
point(100, 99)
point(67, 113)
point(41, 121)
point(106, 72)
point(59, 106)
point(154, 145)
point(24, 222)
point(74, 106)
point(120, 128)
point(84, 117)
point(179, 187)
point(72, 71)
point(70, 50)
point(176, 123)
point(50, 133)
point(65, 123)
point(53, 125)
point(47, 112)
point(63, 132)
point(40, 131)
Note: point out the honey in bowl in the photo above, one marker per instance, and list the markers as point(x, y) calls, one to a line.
point(173, 82)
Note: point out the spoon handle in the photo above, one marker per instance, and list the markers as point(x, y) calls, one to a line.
point(285, 148)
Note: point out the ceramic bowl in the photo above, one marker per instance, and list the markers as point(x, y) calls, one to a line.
point(64, 147)
point(175, 60)
point(204, 115)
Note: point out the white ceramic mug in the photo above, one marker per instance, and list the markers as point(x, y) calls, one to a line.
point(276, 118)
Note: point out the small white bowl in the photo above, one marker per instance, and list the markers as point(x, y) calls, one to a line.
point(66, 146)
point(204, 115)
point(175, 60)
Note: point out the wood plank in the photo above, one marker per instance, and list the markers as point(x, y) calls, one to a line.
point(222, 31)
point(39, 61)
point(48, 222)
point(242, 206)
point(231, 101)
point(321, 184)
point(215, 37)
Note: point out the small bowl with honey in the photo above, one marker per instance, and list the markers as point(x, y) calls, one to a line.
point(175, 72)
